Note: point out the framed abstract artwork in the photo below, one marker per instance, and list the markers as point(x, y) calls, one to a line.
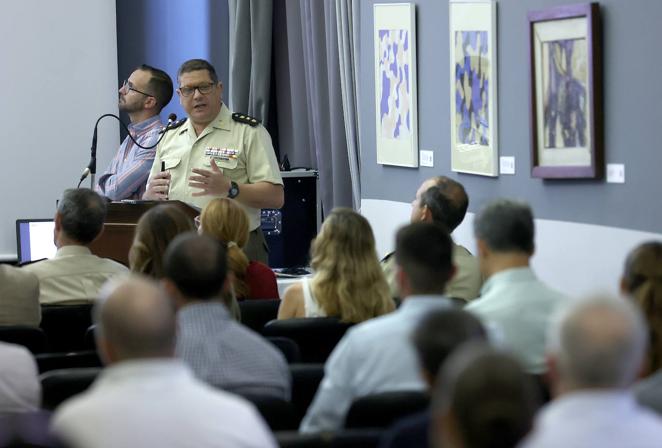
point(566, 92)
point(473, 86)
point(395, 84)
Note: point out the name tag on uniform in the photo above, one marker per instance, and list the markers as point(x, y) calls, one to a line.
point(221, 153)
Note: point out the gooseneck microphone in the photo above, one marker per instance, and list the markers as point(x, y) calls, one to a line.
point(91, 168)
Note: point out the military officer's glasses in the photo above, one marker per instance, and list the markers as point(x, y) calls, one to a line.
point(126, 86)
point(204, 89)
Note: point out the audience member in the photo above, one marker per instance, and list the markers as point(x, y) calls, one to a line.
point(154, 231)
point(19, 297)
point(145, 397)
point(513, 301)
point(20, 390)
point(348, 282)
point(596, 349)
point(642, 282)
point(226, 221)
point(142, 96)
point(483, 399)
point(74, 275)
point(443, 201)
point(221, 352)
point(378, 355)
point(435, 338)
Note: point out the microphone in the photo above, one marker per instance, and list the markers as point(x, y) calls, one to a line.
point(171, 120)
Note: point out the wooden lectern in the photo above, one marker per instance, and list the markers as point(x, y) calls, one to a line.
point(120, 225)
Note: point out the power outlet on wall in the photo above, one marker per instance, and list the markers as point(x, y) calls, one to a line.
point(507, 165)
point(615, 173)
point(426, 158)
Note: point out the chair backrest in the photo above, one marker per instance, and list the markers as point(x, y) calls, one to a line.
point(306, 378)
point(316, 336)
point(34, 339)
point(54, 361)
point(278, 413)
point(287, 346)
point(383, 409)
point(256, 313)
point(59, 385)
point(352, 438)
point(65, 326)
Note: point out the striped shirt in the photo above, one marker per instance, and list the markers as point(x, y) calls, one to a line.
point(228, 355)
point(126, 177)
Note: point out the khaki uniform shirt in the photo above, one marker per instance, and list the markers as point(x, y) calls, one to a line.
point(19, 297)
point(244, 153)
point(464, 285)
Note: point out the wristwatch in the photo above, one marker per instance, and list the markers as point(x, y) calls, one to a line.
point(233, 192)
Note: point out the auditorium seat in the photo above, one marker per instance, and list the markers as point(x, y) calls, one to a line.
point(59, 385)
point(288, 347)
point(383, 409)
point(346, 438)
point(306, 378)
point(65, 326)
point(54, 361)
point(316, 336)
point(279, 414)
point(256, 313)
point(34, 339)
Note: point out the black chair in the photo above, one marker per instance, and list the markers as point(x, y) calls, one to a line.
point(288, 347)
point(278, 413)
point(32, 338)
point(352, 438)
point(55, 361)
point(316, 337)
point(383, 409)
point(541, 384)
point(306, 378)
point(256, 313)
point(293, 439)
point(59, 385)
point(89, 342)
point(65, 326)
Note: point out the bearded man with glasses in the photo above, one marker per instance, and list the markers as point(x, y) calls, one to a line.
point(216, 153)
point(142, 96)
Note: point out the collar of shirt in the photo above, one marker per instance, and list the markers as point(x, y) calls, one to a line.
point(418, 303)
point(509, 276)
point(144, 126)
point(200, 312)
point(149, 369)
point(222, 121)
point(67, 251)
point(589, 402)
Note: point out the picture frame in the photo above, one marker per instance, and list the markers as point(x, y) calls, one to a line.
point(473, 86)
point(396, 113)
point(566, 92)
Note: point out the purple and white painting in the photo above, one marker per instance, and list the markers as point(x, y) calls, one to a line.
point(565, 93)
point(394, 84)
point(472, 82)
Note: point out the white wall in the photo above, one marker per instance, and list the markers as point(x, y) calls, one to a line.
point(577, 259)
point(59, 73)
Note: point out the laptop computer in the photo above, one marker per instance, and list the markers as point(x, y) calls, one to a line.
point(34, 239)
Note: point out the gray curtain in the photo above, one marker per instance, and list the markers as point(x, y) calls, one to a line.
point(348, 22)
point(310, 105)
point(250, 57)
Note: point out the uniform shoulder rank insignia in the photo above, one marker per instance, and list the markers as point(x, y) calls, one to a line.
point(246, 119)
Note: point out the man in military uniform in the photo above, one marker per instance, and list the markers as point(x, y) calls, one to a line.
point(216, 153)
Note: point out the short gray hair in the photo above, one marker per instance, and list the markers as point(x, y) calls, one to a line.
point(82, 213)
point(506, 226)
point(598, 342)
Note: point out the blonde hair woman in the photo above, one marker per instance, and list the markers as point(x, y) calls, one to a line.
point(154, 231)
point(642, 280)
point(224, 220)
point(348, 282)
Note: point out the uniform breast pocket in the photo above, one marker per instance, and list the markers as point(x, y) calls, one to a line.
point(171, 163)
point(224, 163)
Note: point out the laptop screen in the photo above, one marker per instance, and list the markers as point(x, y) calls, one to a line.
point(34, 239)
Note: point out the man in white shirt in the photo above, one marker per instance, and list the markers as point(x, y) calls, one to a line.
point(513, 302)
point(378, 355)
point(146, 397)
point(20, 390)
point(596, 349)
point(75, 275)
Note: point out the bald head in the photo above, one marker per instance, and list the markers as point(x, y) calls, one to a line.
point(134, 320)
point(598, 343)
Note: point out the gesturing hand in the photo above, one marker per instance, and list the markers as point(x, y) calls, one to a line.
point(210, 182)
point(158, 187)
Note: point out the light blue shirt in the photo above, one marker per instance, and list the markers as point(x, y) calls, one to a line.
point(518, 307)
point(587, 419)
point(375, 356)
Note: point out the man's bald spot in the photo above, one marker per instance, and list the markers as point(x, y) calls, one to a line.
point(137, 319)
